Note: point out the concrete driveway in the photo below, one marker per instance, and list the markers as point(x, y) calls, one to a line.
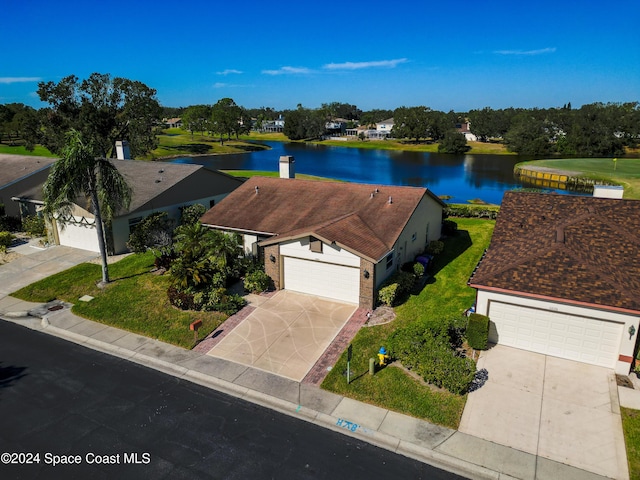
point(285, 334)
point(36, 263)
point(558, 409)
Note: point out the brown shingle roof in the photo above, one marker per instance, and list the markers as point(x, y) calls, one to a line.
point(575, 248)
point(344, 213)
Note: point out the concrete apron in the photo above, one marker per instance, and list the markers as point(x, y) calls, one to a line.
point(285, 334)
point(558, 409)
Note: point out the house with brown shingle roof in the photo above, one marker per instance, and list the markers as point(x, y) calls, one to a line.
point(562, 277)
point(332, 239)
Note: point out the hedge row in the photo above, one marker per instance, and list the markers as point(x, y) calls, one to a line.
point(472, 211)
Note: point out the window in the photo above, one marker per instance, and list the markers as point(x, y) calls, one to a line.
point(315, 245)
point(389, 260)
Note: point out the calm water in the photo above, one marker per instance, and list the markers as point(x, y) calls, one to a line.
point(462, 177)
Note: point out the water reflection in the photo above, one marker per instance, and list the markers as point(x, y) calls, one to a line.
point(460, 177)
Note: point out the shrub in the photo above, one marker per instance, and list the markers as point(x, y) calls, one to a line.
point(5, 241)
point(152, 232)
point(192, 213)
point(427, 348)
point(435, 247)
point(256, 281)
point(215, 299)
point(399, 284)
point(418, 269)
point(478, 331)
point(387, 295)
point(34, 225)
point(10, 224)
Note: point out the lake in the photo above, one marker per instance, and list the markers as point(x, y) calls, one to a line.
point(461, 177)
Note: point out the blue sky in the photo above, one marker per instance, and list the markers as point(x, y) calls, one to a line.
point(374, 54)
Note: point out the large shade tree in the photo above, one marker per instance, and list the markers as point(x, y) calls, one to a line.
point(81, 176)
point(103, 109)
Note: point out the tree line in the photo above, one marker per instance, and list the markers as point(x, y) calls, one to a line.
point(116, 108)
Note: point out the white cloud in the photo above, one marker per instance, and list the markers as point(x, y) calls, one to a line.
point(7, 80)
point(540, 51)
point(229, 71)
point(360, 65)
point(288, 71)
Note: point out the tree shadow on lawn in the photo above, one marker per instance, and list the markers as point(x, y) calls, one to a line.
point(454, 246)
point(195, 148)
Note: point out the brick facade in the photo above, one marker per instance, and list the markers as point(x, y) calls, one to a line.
point(367, 289)
point(272, 268)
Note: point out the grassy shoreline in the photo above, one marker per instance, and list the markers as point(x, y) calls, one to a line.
point(624, 171)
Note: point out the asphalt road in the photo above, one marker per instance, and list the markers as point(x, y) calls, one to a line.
point(105, 417)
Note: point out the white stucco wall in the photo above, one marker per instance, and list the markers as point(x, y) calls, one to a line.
point(426, 225)
point(627, 342)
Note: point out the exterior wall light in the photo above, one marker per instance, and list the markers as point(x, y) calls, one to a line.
point(366, 274)
point(632, 331)
point(272, 258)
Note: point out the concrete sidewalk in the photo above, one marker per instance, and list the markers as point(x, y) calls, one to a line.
point(448, 449)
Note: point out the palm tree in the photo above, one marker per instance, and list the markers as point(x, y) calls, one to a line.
point(79, 173)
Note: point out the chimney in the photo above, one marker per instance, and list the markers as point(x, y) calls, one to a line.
point(122, 150)
point(287, 167)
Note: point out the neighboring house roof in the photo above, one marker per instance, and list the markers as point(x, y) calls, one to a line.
point(344, 213)
point(159, 184)
point(150, 182)
point(579, 249)
point(14, 168)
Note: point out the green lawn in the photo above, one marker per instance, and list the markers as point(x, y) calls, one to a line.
point(631, 427)
point(445, 295)
point(136, 300)
point(176, 142)
point(38, 151)
point(625, 171)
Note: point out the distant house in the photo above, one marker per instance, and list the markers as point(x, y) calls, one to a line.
point(383, 129)
point(21, 178)
point(173, 122)
point(465, 129)
point(562, 277)
point(276, 125)
point(330, 239)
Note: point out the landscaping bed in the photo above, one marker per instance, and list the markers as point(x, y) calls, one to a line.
point(136, 300)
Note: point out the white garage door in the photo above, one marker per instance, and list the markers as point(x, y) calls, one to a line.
point(323, 279)
point(567, 336)
point(79, 236)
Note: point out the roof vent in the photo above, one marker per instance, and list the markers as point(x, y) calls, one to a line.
point(390, 200)
point(376, 191)
point(158, 180)
point(371, 195)
point(257, 189)
point(161, 170)
point(560, 235)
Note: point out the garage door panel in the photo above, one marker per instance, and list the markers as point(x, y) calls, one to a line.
point(338, 282)
point(567, 336)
